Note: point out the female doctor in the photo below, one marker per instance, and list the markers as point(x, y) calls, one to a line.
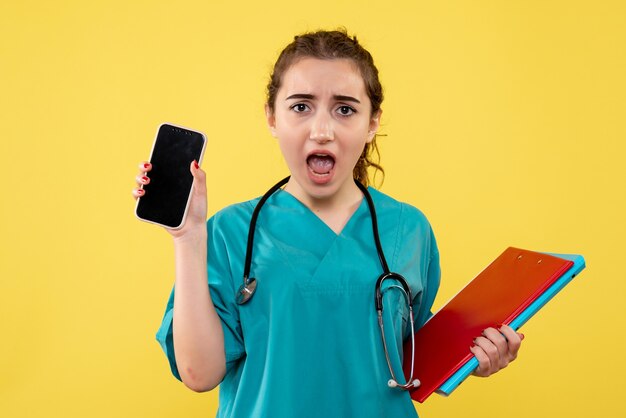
point(308, 343)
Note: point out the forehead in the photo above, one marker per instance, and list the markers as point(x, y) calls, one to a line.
point(323, 77)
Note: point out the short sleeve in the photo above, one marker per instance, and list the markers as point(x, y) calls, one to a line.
point(165, 337)
point(422, 306)
point(222, 284)
point(221, 288)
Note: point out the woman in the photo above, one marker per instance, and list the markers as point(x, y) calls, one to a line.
point(307, 344)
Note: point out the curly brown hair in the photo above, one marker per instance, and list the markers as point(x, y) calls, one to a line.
point(329, 45)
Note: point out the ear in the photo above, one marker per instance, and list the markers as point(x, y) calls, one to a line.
point(271, 120)
point(374, 125)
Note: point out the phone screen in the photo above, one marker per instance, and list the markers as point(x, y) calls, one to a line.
point(167, 195)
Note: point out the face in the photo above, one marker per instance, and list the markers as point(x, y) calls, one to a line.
point(322, 120)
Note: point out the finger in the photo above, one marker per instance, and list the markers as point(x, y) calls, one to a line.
point(137, 193)
point(145, 166)
point(497, 339)
point(142, 180)
point(514, 340)
point(491, 351)
point(195, 167)
point(484, 364)
point(502, 347)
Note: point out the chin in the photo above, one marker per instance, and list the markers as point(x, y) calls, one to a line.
point(320, 192)
point(323, 190)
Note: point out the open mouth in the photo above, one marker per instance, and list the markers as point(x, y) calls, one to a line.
point(320, 164)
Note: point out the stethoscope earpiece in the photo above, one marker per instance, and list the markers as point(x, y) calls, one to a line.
point(409, 386)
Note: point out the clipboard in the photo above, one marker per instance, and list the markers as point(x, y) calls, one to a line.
point(510, 290)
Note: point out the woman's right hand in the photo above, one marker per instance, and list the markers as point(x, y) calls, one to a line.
point(197, 328)
point(196, 213)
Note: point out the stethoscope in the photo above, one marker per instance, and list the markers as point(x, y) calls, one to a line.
point(247, 289)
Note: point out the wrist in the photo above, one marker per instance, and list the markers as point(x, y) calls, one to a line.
point(196, 235)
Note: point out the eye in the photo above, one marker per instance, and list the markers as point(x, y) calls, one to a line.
point(299, 107)
point(345, 110)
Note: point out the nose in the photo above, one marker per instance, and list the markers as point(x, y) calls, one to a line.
point(322, 129)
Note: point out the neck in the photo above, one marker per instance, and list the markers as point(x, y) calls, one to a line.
point(348, 195)
point(335, 209)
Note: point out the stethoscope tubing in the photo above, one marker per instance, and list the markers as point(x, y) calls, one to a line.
point(251, 231)
point(247, 289)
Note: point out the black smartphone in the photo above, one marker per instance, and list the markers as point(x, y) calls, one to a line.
point(167, 195)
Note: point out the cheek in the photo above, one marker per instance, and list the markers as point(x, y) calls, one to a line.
point(356, 143)
point(289, 150)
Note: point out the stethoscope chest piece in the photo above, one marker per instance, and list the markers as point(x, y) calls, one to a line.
point(246, 291)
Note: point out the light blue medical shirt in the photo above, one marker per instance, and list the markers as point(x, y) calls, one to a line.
point(308, 343)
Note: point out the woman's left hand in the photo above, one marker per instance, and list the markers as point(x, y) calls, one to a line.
point(495, 349)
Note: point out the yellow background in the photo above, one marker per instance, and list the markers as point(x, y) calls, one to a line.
point(504, 123)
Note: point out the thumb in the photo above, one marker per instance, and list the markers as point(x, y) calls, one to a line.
point(197, 173)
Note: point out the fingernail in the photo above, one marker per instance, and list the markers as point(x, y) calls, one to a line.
point(140, 191)
point(146, 165)
point(195, 164)
point(521, 336)
point(144, 178)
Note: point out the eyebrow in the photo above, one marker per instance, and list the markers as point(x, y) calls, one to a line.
point(311, 97)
